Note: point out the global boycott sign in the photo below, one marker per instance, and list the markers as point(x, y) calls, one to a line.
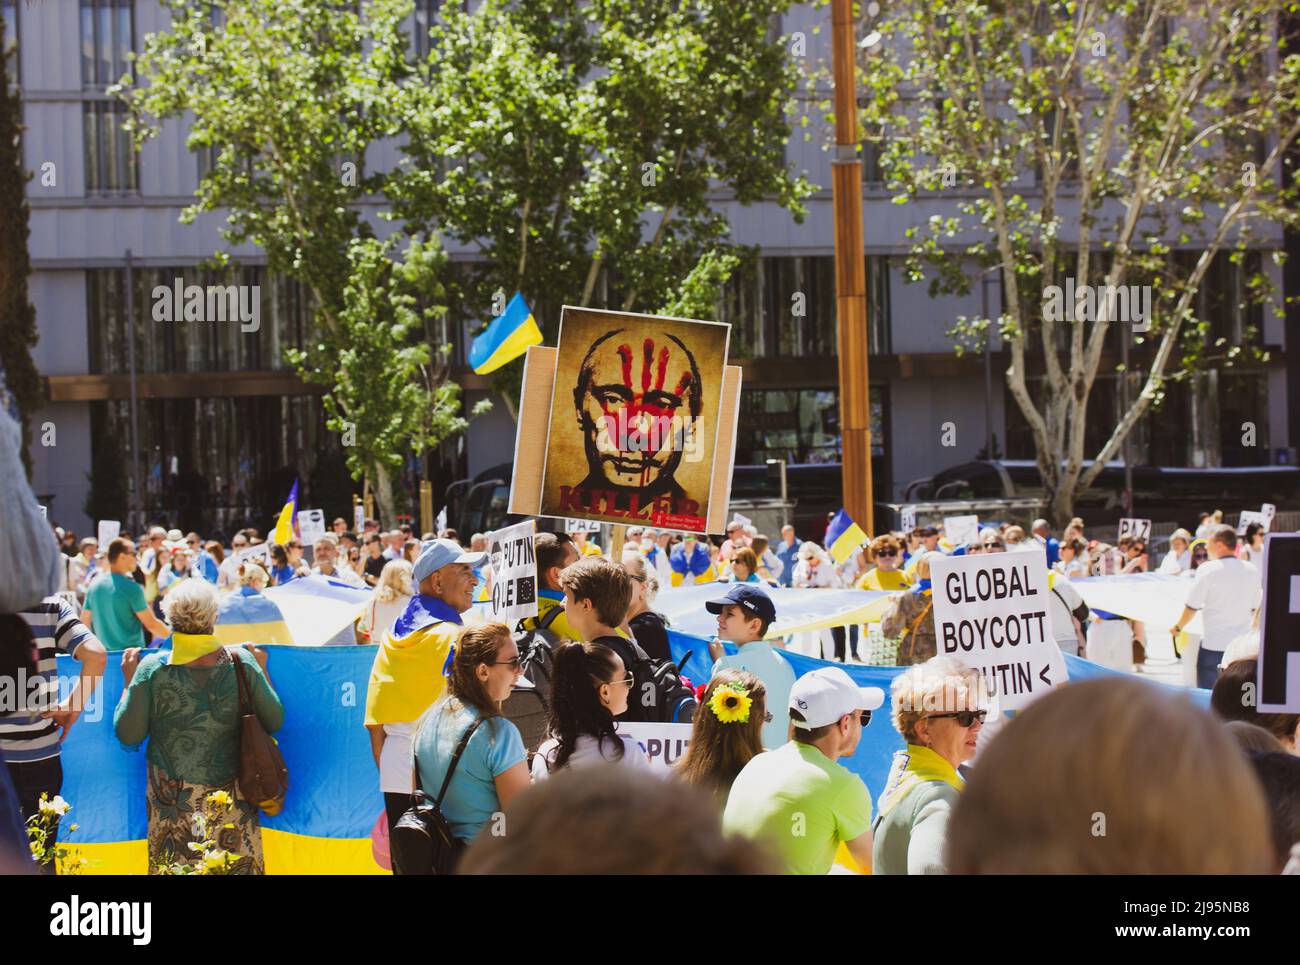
point(514, 572)
point(991, 612)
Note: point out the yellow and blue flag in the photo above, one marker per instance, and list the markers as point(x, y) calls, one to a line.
point(507, 338)
point(246, 616)
point(284, 525)
point(843, 537)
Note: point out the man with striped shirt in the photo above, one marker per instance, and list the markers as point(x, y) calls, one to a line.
point(33, 721)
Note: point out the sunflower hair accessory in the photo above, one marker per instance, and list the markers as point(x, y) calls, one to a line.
point(731, 705)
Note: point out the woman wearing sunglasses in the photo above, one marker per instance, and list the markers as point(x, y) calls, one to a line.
point(493, 767)
point(938, 708)
point(590, 686)
point(887, 555)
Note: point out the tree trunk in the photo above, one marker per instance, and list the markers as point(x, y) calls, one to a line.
point(383, 491)
point(1060, 506)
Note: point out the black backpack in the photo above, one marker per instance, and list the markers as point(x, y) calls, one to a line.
point(422, 842)
point(658, 693)
point(527, 707)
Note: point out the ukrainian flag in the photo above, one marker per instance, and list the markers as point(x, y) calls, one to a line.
point(284, 526)
point(844, 537)
point(246, 616)
point(506, 338)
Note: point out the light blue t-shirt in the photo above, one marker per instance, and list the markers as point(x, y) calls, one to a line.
point(761, 659)
point(472, 795)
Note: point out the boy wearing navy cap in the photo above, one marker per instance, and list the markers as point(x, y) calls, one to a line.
point(744, 616)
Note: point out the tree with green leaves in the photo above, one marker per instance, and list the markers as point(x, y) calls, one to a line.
point(387, 391)
point(18, 333)
point(574, 144)
point(1106, 143)
point(288, 95)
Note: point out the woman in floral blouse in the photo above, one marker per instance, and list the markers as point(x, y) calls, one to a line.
point(186, 702)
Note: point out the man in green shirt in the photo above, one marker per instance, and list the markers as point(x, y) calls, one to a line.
point(797, 799)
point(115, 605)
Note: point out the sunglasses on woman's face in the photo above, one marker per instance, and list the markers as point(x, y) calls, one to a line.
point(625, 681)
point(965, 718)
point(514, 662)
point(886, 556)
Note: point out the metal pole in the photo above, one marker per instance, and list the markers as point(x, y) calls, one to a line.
point(137, 495)
point(1124, 403)
point(850, 277)
point(988, 370)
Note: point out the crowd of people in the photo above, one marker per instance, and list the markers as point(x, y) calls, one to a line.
point(763, 771)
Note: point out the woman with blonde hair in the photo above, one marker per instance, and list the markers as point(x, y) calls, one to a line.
point(1111, 776)
point(643, 624)
point(186, 702)
point(392, 593)
point(939, 708)
point(727, 732)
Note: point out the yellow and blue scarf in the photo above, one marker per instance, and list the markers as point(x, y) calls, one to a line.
point(912, 767)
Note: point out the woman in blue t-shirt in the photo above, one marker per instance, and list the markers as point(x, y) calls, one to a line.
point(494, 766)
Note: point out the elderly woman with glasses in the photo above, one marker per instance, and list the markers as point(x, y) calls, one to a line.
point(938, 708)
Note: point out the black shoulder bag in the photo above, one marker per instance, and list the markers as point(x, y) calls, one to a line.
point(422, 842)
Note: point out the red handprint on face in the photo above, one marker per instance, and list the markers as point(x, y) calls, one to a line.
point(652, 403)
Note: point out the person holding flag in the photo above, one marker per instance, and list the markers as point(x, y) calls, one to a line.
point(284, 526)
point(409, 672)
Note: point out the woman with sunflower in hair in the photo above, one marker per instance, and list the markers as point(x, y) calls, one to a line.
point(727, 733)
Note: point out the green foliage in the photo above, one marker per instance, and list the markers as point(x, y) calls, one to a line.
point(17, 316)
point(572, 142)
point(387, 392)
point(1087, 135)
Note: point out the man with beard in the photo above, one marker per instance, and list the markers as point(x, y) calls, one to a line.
point(637, 408)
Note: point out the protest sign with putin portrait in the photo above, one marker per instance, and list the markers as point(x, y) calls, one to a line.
point(634, 419)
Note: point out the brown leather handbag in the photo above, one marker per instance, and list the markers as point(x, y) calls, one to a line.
point(263, 778)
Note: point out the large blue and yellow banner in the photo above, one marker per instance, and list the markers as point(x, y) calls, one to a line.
point(334, 797)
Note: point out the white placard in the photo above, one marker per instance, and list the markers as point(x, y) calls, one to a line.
point(961, 530)
point(582, 526)
point(1277, 677)
point(907, 519)
point(440, 523)
point(44, 512)
point(991, 612)
point(1135, 529)
point(311, 526)
point(514, 572)
point(1248, 517)
point(257, 551)
point(359, 519)
point(663, 744)
point(1268, 511)
point(742, 520)
point(108, 530)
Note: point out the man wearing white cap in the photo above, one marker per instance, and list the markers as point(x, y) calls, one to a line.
point(409, 672)
point(798, 799)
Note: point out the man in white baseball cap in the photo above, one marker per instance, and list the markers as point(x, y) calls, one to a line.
point(798, 799)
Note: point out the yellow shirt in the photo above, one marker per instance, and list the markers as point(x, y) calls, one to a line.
point(878, 579)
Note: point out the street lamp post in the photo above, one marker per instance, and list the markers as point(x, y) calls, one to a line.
point(850, 276)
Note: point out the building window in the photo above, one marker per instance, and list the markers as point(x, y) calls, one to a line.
point(192, 346)
point(106, 40)
point(798, 425)
point(784, 307)
point(111, 162)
